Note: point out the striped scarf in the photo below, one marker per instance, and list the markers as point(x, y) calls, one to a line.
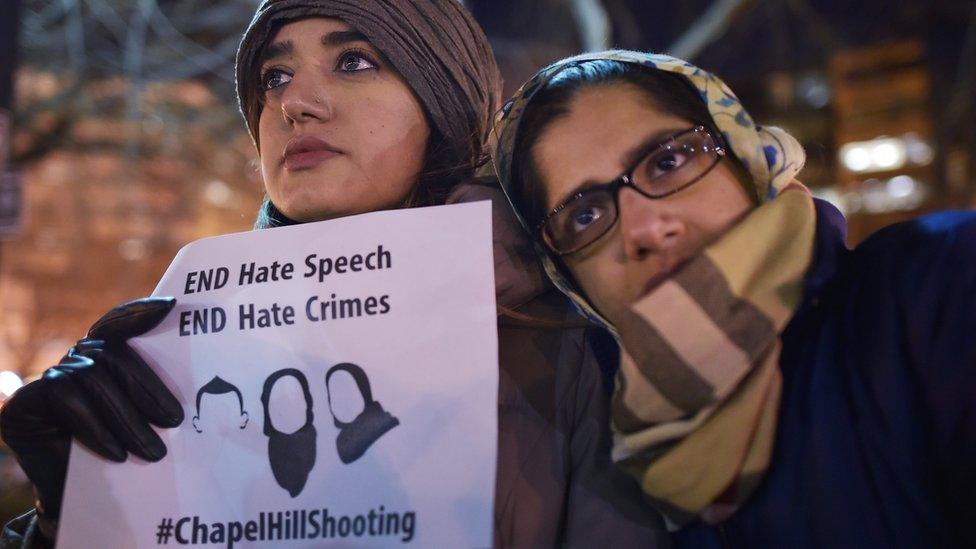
point(699, 383)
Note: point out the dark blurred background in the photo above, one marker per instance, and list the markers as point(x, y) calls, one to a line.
point(120, 139)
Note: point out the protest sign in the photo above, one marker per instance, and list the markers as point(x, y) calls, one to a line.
point(339, 381)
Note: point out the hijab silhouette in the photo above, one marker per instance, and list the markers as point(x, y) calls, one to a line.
point(356, 436)
point(291, 455)
point(217, 386)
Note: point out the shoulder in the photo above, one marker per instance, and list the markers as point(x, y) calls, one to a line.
point(926, 256)
point(935, 236)
point(541, 349)
point(912, 286)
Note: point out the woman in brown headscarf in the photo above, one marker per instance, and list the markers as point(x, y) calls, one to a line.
point(358, 106)
point(406, 89)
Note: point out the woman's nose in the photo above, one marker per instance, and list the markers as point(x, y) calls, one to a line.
point(647, 226)
point(306, 101)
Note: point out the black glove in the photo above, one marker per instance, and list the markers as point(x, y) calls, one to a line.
point(101, 393)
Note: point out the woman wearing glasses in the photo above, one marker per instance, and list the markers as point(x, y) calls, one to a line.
point(775, 389)
point(358, 106)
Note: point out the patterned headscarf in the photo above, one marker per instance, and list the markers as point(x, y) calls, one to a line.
point(771, 156)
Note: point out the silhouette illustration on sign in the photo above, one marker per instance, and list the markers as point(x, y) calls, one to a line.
point(291, 455)
point(356, 436)
point(217, 386)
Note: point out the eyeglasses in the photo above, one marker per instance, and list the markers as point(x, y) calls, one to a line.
point(677, 163)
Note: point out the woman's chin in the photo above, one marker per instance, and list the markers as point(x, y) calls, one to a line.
point(299, 209)
point(307, 211)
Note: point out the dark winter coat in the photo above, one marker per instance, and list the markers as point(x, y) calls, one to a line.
point(876, 442)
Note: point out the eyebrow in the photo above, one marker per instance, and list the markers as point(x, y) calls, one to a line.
point(332, 39)
point(649, 143)
point(631, 157)
point(276, 50)
point(339, 38)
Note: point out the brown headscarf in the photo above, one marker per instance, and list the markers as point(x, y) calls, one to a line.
point(436, 45)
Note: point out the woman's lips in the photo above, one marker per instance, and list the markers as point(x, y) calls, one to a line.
point(303, 153)
point(307, 160)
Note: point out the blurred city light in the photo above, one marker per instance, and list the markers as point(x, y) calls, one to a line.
point(918, 150)
point(886, 153)
point(901, 186)
point(9, 383)
point(133, 249)
point(218, 193)
point(881, 154)
point(856, 157)
point(875, 196)
point(814, 90)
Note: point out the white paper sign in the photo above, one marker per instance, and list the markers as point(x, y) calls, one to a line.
point(398, 304)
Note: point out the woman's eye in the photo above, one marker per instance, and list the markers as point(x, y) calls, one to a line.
point(584, 216)
point(355, 62)
point(274, 78)
point(670, 162)
point(667, 161)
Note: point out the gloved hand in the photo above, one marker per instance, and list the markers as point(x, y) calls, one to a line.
point(101, 393)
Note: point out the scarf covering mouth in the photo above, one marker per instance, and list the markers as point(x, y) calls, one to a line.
point(435, 45)
point(697, 394)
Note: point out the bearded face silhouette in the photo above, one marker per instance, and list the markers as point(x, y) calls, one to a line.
point(292, 455)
